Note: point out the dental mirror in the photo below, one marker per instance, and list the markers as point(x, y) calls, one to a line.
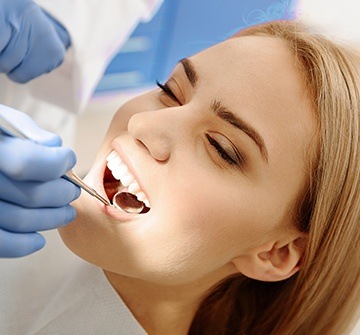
point(127, 202)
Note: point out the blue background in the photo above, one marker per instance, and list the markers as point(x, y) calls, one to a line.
point(179, 29)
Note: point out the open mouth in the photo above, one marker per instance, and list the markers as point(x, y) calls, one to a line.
point(122, 188)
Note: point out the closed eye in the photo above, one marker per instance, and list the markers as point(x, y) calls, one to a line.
point(168, 92)
point(230, 158)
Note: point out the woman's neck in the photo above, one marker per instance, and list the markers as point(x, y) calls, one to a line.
point(161, 310)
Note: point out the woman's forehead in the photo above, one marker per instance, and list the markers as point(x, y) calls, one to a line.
point(248, 50)
point(251, 68)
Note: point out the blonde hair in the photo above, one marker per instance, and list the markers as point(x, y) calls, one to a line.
point(323, 297)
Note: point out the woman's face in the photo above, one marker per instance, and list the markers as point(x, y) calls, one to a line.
point(221, 153)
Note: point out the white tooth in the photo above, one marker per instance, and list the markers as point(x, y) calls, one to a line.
point(134, 187)
point(117, 174)
point(114, 163)
point(111, 155)
point(127, 179)
point(119, 170)
point(141, 196)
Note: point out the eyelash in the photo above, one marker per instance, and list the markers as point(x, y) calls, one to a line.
point(215, 144)
point(222, 153)
point(166, 89)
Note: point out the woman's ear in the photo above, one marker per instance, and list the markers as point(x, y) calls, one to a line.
point(272, 262)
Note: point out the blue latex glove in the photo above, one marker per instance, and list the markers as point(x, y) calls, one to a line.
point(31, 41)
point(33, 197)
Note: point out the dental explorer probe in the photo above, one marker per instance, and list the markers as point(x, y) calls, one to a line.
point(70, 175)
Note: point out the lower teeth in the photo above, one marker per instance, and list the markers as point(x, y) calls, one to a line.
point(127, 202)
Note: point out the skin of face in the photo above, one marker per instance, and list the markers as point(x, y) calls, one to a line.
point(206, 214)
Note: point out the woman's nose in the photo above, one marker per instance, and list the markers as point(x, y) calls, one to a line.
point(153, 130)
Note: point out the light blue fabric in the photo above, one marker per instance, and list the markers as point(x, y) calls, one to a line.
point(31, 41)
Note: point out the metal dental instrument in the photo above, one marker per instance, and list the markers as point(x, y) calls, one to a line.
point(70, 175)
point(127, 202)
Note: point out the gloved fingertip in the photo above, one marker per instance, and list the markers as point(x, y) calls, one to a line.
point(53, 140)
point(70, 214)
point(47, 138)
point(29, 127)
point(56, 64)
point(71, 159)
point(64, 37)
point(20, 79)
point(60, 30)
point(77, 192)
point(39, 242)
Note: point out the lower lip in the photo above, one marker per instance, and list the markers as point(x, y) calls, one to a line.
point(116, 213)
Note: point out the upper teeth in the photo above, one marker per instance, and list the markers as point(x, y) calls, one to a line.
point(120, 172)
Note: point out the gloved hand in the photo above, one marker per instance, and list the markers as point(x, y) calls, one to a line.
point(33, 197)
point(31, 41)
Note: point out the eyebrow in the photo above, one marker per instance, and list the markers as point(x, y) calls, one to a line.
point(189, 71)
point(224, 113)
point(228, 116)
